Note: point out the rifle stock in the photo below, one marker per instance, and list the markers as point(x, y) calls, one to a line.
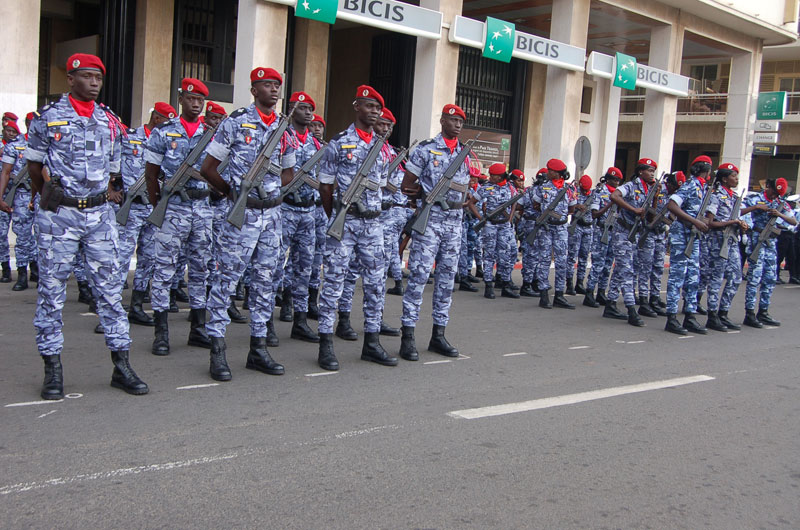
point(765, 234)
point(18, 179)
point(730, 231)
point(545, 215)
point(500, 209)
point(700, 214)
point(611, 218)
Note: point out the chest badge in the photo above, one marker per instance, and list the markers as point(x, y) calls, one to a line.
point(57, 136)
point(135, 152)
point(349, 156)
point(248, 139)
point(174, 144)
point(435, 163)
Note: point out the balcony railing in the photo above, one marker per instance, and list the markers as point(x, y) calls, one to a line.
point(699, 104)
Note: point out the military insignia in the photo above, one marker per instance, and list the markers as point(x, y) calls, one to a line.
point(301, 97)
point(57, 136)
point(248, 126)
point(174, 144)
point(452, 111)
point(57, 123)
point(135, 152)
point(365, 92)
point(435, 163)
point(260, 73)
point(436, 152)
point(189, 88)
point(76, 63)
point(248, 139)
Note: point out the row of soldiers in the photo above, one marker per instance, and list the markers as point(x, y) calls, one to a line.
point(231, 199)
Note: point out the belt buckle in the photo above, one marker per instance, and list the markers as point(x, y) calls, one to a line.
point(82, 204)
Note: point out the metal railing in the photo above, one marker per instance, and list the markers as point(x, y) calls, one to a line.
point(698, 104)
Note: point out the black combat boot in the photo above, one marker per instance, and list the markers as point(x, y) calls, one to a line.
point(147, 295)
point(327, 358)
point(611, 311)
point(6, 278)
point(560, 301)
point(246, 301)
point(466, 285)
point(439, 343)
point(589, 301)
point(98, 329)
point(343, 328)
point(601, 297)
point(124, 377)
point(479, 271)
point(527, 290)
point(570, 287)
point(313, 308)
point(198, 336)
point(300, 329)
point(488, 290)
point(408, 346)
point(239, 291)
point(22, 279)
point(655, 305)
point(472, 279)
point(136, 314)
point(674, 326)
point(544, 301)
point(751, 320)
point(258, 358)
point(692, 325)
point(84, 293)
point(34, 268)
point(272, 337)
point(234, 314)
point(388, 330)
point(218, 365)
point(279, 297)
point(161, 340)
point(373, 351)
point(644, 308)
point(182, 284)
point(508, 291)
point(53, 385)
point(173, 304)
point(764, 317)
point(579, 287)
point(723, 317)
point(397, 289)
point(700, 309)
point(181, 296)
point(286, 309)
point(715, 323)
point(633, 317)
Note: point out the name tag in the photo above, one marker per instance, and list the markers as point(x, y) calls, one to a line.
point(248, 125)
point(436, 152)
point(175, 135)
point(19, 148)
point(57, 123)
point(348, 146)
point(135, 142)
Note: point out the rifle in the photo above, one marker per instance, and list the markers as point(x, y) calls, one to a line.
point(497, 211)
point(573, 224)
point(252, 179)
point(765, 234)
point(394, 164)
point(18, 179)
point(418, 222)
point(649, 205)
point(546, 214)
point(302, 176)
point(176, 183)
point(700, 214)
point(662, 216)
point(730, 231)
point(357, 186)
point(611, 218)
point(139, 189)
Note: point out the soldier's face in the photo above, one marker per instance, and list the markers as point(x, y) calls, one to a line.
point(9, 134)
point(303, 113)
point(266, 92)
point(383, 127)
point(367, 110)
point(494, 179)
point(732, 181)
point(158, 118)
point(451, 126)
point(316, 129)
point(213, 119)
point(191, 105)
point(613, 182)
point(648, 175)
point(85, 85)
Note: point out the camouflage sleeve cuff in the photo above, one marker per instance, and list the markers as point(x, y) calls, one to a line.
point(152, 157)
point(413, 168)
point(8, 159)
point(677, 199)
point(325, 178)
point(217, 150)
point(712, 209)
point(288, 160)
point(32, 155)
point(114, 166)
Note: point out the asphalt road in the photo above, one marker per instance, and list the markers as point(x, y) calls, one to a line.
point(601, 425)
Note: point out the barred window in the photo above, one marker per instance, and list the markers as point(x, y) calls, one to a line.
point(485, 90)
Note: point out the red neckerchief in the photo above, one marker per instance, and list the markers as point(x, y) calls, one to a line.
point(502, 182)
point(190, 127)
point(558, 183)
point(612, 189)
point(302, 137)
point(146, 131)
point(451, 143)
point(644, 185)
point(766, 198)
point(265, 118)
point(474, 186)
point(82, 108)
point(26, 137)
point(365, 136)
point(730, 192)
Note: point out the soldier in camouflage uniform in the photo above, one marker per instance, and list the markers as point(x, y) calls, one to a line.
point(240, 138)
point(580, 242)
point(602, 253)
point(80, 141)
point(530, 251)
point(10, 132)
point(467, 255)
point(317, 128)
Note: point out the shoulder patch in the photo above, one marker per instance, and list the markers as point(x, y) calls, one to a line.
point(426, 143)
point(131, 130)
point(339, 136)
point(161, 125)
point(238, 112)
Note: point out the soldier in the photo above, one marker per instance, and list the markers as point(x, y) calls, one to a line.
point(9, 117)
point(553, 236)
point(187, 222)
point(670, 186)
point(684, 272)
point(442, 238)
point(215, 113)
point(467, 254)
point(240, 138)
point(761, 268)
point(498, 237)
point(362, 234)
point(317, 128)
point(393, 208)
point(10, 133)
point(530, 251)
point(580, 242)
point(602, 253)
point(80, 140)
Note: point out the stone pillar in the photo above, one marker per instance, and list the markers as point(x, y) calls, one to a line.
point(742, 91)
point(152, 57)
point(260, 41)
point(608, 111)
point(435, 73)
point(20, 66)
point(562, 103)
point(531, 139)
point(658, 125)
point(310, 72)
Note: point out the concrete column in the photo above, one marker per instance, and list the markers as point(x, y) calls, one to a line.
point(310, 72)
point(742, 91)
point(562, 104)
point(20, 66)
point(531, 139)
point(608, 111)
point(152, 56)
point(260, 41)
point(658, 125)
point(435, 74)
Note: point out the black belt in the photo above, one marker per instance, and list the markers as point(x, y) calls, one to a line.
point(530, 217)
point(624, 224)
point(196, 195)
point(584, 222)
point(318, 202)
point(498, 221)
point(82, 204)
point(453, 205)
point(368, 214)
point(556, 222)
point(140, 200)
point(305, 203)
point(386, 206)
point(254, 203)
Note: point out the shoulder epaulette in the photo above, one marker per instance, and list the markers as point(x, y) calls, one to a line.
point(108, 110)
point(131, 130)
point(238, 112)
point(426, 143)
point(161, 125)
point(339, 136)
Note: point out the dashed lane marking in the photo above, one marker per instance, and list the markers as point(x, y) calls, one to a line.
point(515, 354)
point(192, 387)
point(686, 337)
point(40, 416)
point(28, 403)
point(316, 374)
point(578, 347)
point(437, 362)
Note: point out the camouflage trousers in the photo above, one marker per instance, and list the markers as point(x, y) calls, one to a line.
point(220, 209)
point(622, 275)
point(580, 247)
point(553, 245)
point(60, 235)
point(500, 248)
point(393, 221)
point(138, 235)
point(258, 242)
point(602, 260)
point(22, 220)
point(349, 286)
point(299, 238)
point(530, 252)
point(645, 261)
point(5, 224)
point(362, 238)
point(183, 262)
point(469, 246)
point(705, 273)
point(439, 244)
point(761, 274)
point(657, 273)
point(722, 270)
point(320, 225)
point(684, 273)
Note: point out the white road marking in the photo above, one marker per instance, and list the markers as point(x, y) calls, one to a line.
point(635, 342)
point(515, 354)
point(437, 362)
point(577, 347)
point(359, 432)
point(192, 387)
point(88, 314)
point(45, 414)
point(687, 337)
point(315, 374)
point(732, 331)
point(461, 357)
point(26, 403)
point(571, 399)
point(74, 395)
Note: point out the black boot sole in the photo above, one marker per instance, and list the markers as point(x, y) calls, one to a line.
point(304, 338)
point(220, 377)
point(200, 343)
point(382, 362)
point(147, 323)
point(682, 332)
point(52, 397)
point(443, 352)
point(270, 371)
point(131, 391)
point(351, 338)
point(329, 367)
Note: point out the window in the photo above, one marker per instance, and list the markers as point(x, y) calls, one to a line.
point(485, 90)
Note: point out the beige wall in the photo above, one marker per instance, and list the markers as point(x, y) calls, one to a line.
point(533, 112)
point(18, 70)
point(152, 58)
point(310, 62)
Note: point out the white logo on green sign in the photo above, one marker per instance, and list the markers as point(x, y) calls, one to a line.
point(498, 39)
point(321, 10)
point(625, 76)
point(771, 106)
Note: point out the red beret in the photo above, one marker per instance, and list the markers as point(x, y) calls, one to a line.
point(647, 162)
point(497, 169)
point(165, 109)
point(556, 165)
point(30, 116)
point(302, 97)
point(265, 74)
point(518, 173)
point(190, 85)
point(454, 110)
point(84, 61)
point(542, 170)
point(781, 185)
point(729, 166)
point(474, 171)
point(585, 182)
point(13, 125)
point(614, 172)
point(387, 115)
point(318, 118)
point(366, 91)
point(215, 108)
point(701, 159)
point(10, 116)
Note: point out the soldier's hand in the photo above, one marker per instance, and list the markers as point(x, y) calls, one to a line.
point(31, 206)
point(772, 212)
point(115, 196)
point(743, 225)
point(701, 225)
point(4, 207)
point(761, 207)
point(640, 211)
point(580, 207)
